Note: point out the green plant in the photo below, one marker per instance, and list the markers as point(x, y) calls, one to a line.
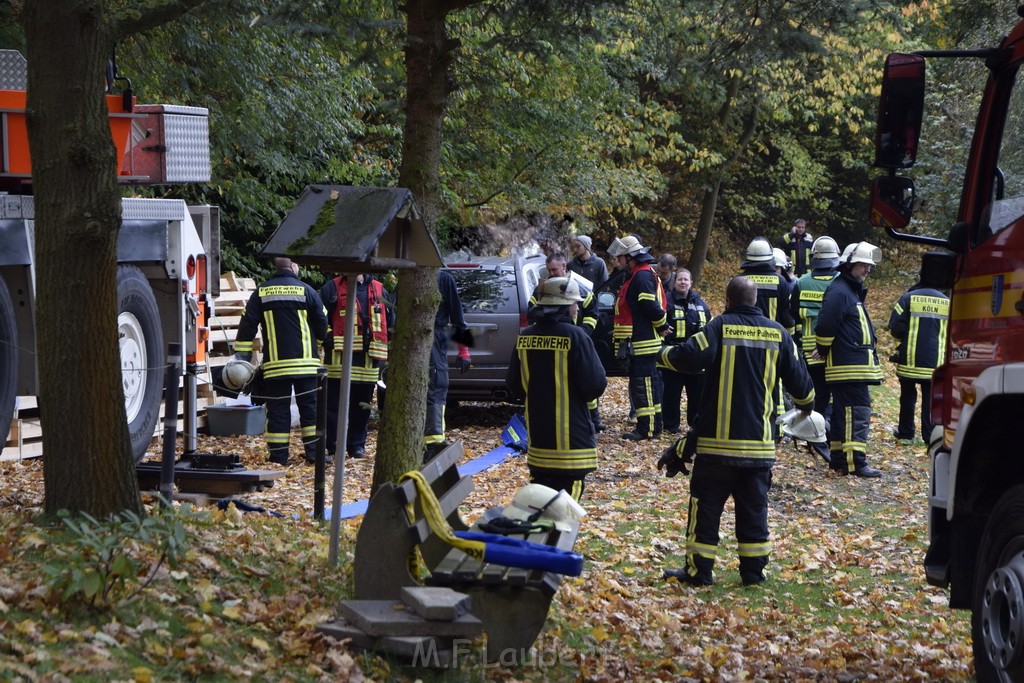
point(104, 563)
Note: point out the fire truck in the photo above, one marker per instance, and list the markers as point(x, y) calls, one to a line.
point(976, 500)
point(168, 253)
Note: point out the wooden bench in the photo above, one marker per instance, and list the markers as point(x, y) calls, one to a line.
point(512, 603)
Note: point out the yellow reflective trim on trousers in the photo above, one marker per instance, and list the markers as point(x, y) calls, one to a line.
point(577, 489)
point(309, 431)
point(277, 437)
point(703, 549)
point(268, 327)
point(754, 549)
point(691, 533)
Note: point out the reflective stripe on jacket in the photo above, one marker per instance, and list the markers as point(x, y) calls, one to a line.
point(920, 320)
point(640, 311)
point(844, 334)
point(805, 304)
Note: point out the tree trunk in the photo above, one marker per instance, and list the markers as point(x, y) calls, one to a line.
point(88, 464)
point(427, 59)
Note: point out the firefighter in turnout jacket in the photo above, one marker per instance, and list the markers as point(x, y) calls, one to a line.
point(557, 368)
point(293, 321)
point(374, 318)
point(805, 305)
point(798, 245)
point(640, 323)
point(919, 320)
point(688, 314)
point(846, 340)
point(745, 355)
point(449, 322)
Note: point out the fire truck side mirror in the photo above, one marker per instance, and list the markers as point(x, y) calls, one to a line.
point(892, 202)
point(900, 111)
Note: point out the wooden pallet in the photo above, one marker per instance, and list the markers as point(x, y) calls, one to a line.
point(228, 308)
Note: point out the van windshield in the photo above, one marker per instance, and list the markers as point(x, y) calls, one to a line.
point(486, 291)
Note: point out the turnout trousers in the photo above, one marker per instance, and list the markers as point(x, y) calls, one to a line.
point(279, 414)
point(645, 389)
point(851, 419)
point(711, 485)
point(360, 395)
point(908, 404)
point(572, 483)
point(437, 390)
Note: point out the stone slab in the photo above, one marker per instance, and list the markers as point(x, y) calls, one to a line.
point(390, 618)
point(436, 603)
point(342, 630)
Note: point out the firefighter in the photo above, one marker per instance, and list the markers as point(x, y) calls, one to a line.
point(745, 355)
point(449, 316)
point(640, 324)
point(845, 340)
point(758, 266)
point(919, 320)
point(557, 368)
point(805, 304)
point(293, 321)
point(374, 319)
point(687, 314)
point(797, 243)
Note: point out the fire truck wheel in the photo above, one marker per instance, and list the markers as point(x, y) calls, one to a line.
point(141, 341)
point(997, 621)
point(8, 362)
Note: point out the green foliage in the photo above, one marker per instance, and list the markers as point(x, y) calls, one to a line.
point(102, 564)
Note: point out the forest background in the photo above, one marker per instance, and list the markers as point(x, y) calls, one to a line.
point(662, 119)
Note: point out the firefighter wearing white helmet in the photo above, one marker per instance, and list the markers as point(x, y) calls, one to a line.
point(558, 370)
point(805, 305)
point(758, 266)
point(845, 339)
point(640, 324)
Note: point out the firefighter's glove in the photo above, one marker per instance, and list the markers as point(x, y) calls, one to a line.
point(672, 461)
point(464, 365)
point(329, 344)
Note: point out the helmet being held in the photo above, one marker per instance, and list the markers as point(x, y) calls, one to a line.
point(237, 374)
point(861, 252)
point(627, 246)
point(760, 250)
point(536, 502)
point(559, 291)
point(803, 426)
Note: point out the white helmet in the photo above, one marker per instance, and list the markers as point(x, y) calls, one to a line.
point(862, 252)
point(760, 250)
point(781, 259)
point(824, 247)
point(535, 502)
point(627, 246)
point(559, 291)
point(237, 374)
point(799, 425)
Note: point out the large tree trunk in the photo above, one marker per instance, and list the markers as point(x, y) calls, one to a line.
point(427, 58)
point(88, 463)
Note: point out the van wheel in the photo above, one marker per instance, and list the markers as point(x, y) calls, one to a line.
point(8, 362)
point(997, 620)
point(141, 342)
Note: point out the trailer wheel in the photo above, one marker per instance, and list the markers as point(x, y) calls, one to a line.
point(8, 362)
point(997, 621)
point(141, 342)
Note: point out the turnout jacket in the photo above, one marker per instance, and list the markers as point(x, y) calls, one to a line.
point(745, 355)
point(805, 305)
point(640, 310)
point(798, 249)
point(920, 320)
point(772, 292)
point(559, 371)
point(293, 321)
point(374, 317)
point(845, 336)
point(687, 315)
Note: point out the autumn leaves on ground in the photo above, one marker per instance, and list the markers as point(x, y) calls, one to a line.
point(846, 597)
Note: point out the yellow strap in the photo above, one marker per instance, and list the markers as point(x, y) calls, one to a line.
point(435, 517)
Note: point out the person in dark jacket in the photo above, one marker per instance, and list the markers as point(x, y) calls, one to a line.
point(585, 263)
point(758, 266)
point(919, 320)
point(797, 244)
point(558, 370)
point(293, 321)
point(745, 355)
point(449, 322)
point(805, 305)
point(845, 339)
point(687, 314)
point(640, 324)
point(374, 321)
